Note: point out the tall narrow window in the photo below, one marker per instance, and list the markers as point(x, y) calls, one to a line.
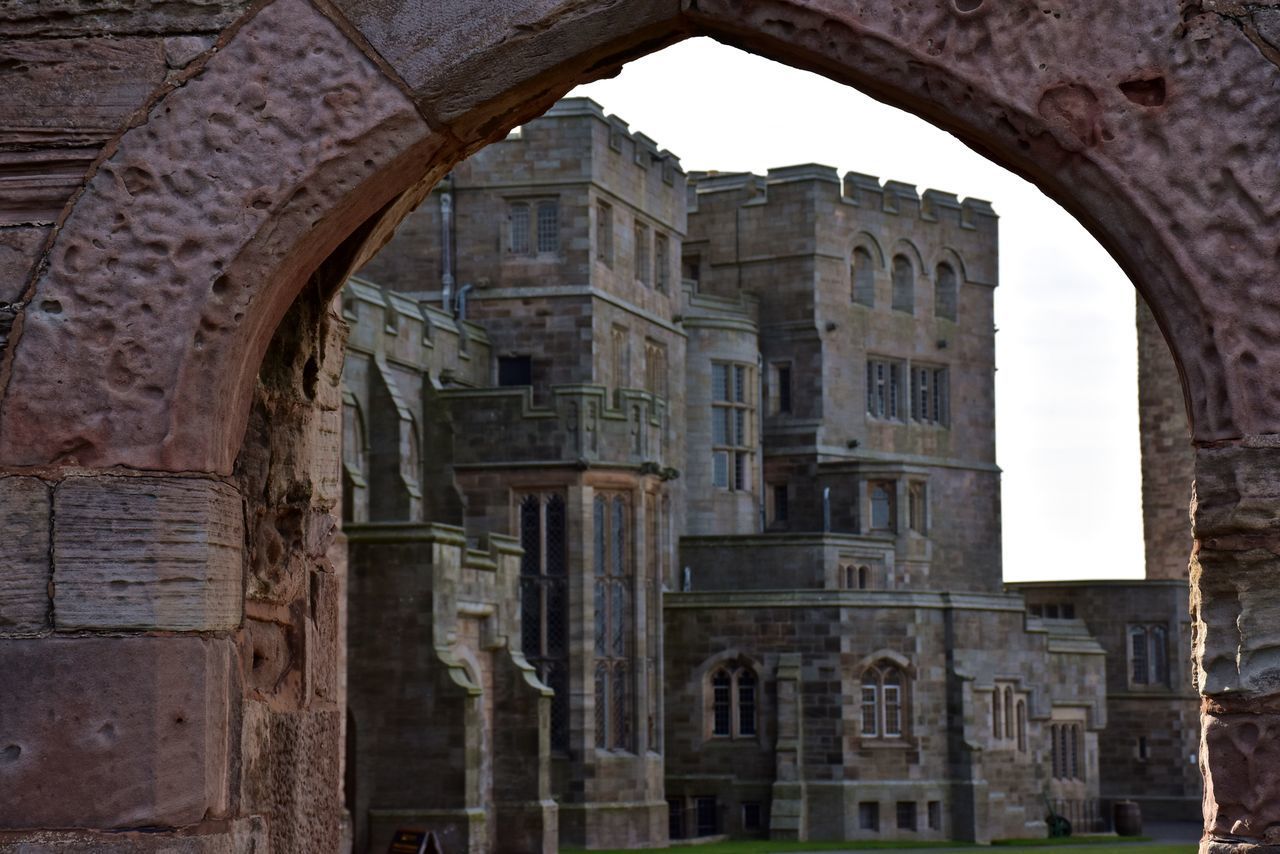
point(1159, 659)
point(613, 624)
point(883, 389)
point(548, 227)
point(1022, 726)
point(780, 509)
point(722, 703)
point(916, 508)
point(892, 703)
point(904, 289)
point(544, 617)
point(620, 358)
point(997, 729)
point(655, 368)
point(604, 233)
point(882, 507)
point(782, 389)
point(731, 418)
point(870, 703)
point(945, 291)
point(746, 702)
point(661, 263)
point(1138, 654)
point(642, 256)
point(863, 278)
point(929, 395)
point(519, 222)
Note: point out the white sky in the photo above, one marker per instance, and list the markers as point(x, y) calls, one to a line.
point(1066, 384)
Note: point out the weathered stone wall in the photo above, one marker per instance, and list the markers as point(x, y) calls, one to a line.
point(961, 649)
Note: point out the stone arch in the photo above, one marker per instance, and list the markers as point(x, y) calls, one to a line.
point(866, 240)
point(395, 115)
point(316, 127)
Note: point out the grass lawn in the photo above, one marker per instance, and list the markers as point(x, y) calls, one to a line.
point(1096, 845)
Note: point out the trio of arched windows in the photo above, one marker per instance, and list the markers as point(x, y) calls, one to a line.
point(1009, 717)
point(946, 284)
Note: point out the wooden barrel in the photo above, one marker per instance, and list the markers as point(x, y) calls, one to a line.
point(1128, 817)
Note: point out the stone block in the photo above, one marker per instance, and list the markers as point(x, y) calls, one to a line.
point(423, 40)
point(24, 561)
point(147, 553)
point(106, 733)
point(1237, 636)
point(19, 248)
point(1242, 776)
point(1237, 491)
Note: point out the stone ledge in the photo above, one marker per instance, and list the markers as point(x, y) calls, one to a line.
point(213, 837)
point(106, 733)
point(147, 553)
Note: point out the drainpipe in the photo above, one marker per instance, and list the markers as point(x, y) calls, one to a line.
point(446, 243)
point(461, 313)
point(760, 403)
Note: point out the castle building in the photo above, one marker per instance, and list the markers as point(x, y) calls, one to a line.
point(673, 511)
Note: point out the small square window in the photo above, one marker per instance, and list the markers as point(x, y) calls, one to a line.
point(515, 370)
point(935, 815)
point(750, 815)
point(906, 815)
point(707, 816)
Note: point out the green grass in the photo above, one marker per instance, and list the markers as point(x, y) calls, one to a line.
point(1097, 845)
point(1071, 840)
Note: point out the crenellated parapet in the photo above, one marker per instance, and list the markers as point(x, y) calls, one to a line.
point(581, 424)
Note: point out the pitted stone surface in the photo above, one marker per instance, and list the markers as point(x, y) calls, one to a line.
point(458, 54)
point(159, 276)
point(147, 553)
point(113, 732)
point(80, 17)
point(1242, 776)
point(1237, 620)
point(24, 558)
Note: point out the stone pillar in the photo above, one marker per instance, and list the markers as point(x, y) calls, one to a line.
point(1235, 565)
point(788, 814)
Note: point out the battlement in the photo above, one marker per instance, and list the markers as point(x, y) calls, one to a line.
point(415, 333)
point(643, 151)
point(583, 424)
point(856, 189)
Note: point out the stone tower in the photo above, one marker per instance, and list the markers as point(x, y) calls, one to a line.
point(1167, 459)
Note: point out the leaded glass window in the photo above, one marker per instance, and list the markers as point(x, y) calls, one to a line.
point(544, 601)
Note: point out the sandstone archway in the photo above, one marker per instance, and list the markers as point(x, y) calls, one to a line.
point(247, 185)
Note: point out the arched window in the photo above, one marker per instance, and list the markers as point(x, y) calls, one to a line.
point(733, 701)
point(904, 290)
point(883, 701)
point(355, 466)
point(518, 220)
point(945, 291)
point(862, 277)
point(864, 578)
